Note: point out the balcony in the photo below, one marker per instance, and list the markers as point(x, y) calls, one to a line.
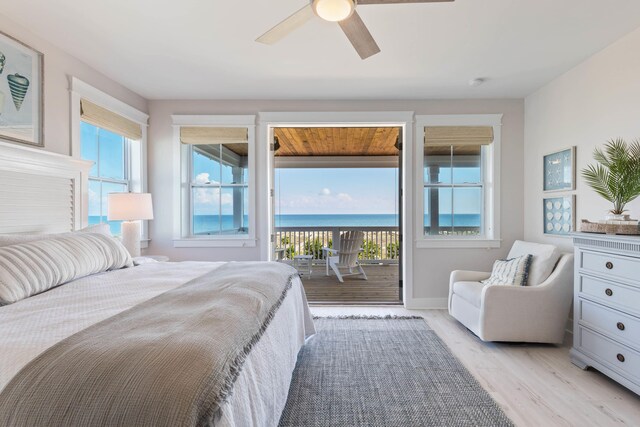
point(381, 244)
point(379, 257)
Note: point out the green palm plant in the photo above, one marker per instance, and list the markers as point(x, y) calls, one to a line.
point(616, 177)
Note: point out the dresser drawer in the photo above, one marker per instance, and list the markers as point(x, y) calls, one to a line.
point(611, 265)
point(612, 323)
point(610, 353)
point(622, 296)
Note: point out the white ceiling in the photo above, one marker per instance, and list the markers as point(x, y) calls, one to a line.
point(205, 49)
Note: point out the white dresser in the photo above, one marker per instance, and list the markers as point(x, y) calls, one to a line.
point(606, 325)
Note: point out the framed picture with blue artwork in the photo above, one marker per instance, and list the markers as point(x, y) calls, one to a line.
point(559, 215)
point(21, 105)
point(560, 170)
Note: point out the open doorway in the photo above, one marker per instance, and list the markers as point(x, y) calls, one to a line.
point(332, 182)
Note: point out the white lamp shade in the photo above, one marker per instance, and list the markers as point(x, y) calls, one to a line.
point(129, 206)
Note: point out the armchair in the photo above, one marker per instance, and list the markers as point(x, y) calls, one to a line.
point(536, 313)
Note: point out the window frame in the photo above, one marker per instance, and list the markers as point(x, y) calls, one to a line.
point(453, 186)
point(220, 186)
point(183, 228)
point(127, 167)
point(490, 182)
point(137, 149)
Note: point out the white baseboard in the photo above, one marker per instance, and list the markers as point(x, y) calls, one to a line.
point(426, 303)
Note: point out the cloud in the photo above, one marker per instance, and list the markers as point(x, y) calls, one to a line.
point(94, 202)
point(202, 178)
point(325, 192)
point(207, 199)
point(344, 197)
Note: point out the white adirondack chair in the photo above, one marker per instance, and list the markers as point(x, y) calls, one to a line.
point(347, 256)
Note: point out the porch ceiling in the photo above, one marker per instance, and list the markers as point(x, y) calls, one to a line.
point(337, 141)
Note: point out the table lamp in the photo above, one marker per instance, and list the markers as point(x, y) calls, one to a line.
point(130, 208)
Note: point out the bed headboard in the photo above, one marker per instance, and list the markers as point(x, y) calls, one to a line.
point(41, 191)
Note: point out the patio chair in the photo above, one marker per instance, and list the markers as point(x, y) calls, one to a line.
point(347, 256)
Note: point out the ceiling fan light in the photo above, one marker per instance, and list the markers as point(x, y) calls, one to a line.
point(334, 10)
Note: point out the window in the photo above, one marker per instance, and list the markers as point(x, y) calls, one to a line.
point(459, 191)
point(113, 135)
point(217, 199)
point(110, 171)
point(219, 189)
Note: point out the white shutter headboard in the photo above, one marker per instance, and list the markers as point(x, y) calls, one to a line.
point(41, 191)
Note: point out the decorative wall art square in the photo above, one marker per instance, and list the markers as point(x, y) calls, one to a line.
point(559, 170)
point(559, 215)
point(21, 106)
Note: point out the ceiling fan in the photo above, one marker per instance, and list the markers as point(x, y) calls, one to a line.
point(341, 11)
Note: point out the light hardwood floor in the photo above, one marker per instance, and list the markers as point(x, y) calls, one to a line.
point(536, 385)
point(381, 286)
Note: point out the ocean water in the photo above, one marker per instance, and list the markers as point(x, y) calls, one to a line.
point(205, 224)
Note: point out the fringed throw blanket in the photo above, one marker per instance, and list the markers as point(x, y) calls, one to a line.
point(170, 361)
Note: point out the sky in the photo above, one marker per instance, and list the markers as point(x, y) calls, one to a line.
point(336, 191)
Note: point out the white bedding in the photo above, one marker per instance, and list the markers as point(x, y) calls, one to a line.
point(30, 326)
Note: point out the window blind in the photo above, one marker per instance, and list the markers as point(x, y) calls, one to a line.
point(106, 119)
point(457, 135)
point(213, 135)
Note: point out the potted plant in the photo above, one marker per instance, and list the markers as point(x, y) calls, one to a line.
point(616, 177)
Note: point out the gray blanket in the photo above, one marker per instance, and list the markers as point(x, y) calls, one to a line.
point(170, 361)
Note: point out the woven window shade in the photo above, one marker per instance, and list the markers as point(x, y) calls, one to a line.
point(106, 119)
point(213, 135)
point(457, 135)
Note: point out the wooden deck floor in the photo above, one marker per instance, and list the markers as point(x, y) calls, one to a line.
point(380, 288)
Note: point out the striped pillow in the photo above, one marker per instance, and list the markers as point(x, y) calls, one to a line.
point(514, 271)
point(30, 268)
point(17, 238)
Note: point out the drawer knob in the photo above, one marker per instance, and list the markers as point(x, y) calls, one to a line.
point(608, 291)
point(609, 265)
point(620, 357)
point(620, 326)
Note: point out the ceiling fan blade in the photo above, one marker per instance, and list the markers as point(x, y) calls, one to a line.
point(400, 1)
point(359, 36)
point(293, 22)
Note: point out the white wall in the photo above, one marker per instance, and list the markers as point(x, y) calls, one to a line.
point(431, 267)
point(58, 66)
point(596, 101)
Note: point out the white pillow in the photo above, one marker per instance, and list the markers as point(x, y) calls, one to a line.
point(102, 228)
point(30, 268)
point(512, 271)
point(545, 258)
point(14, 239)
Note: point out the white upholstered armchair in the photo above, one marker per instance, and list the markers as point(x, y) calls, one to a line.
point(534, 313)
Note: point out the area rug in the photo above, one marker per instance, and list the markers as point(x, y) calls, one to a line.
point(394, 371)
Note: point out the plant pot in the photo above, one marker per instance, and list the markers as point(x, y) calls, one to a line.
point(617, 217)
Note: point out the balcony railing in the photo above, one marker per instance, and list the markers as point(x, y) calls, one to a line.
point(454, 231)
point(381, 244)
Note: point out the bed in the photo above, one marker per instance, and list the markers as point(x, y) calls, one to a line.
point(53, 343)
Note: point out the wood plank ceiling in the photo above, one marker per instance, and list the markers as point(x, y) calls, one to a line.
point(337, 141)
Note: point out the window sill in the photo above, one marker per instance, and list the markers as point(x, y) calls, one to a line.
point(193, 242)
point(458, 243)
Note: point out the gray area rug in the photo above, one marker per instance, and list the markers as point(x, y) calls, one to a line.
point(384, 372)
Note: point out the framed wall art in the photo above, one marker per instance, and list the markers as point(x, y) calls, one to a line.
point(560, 170)
point(559, 215)
point(21, 97)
